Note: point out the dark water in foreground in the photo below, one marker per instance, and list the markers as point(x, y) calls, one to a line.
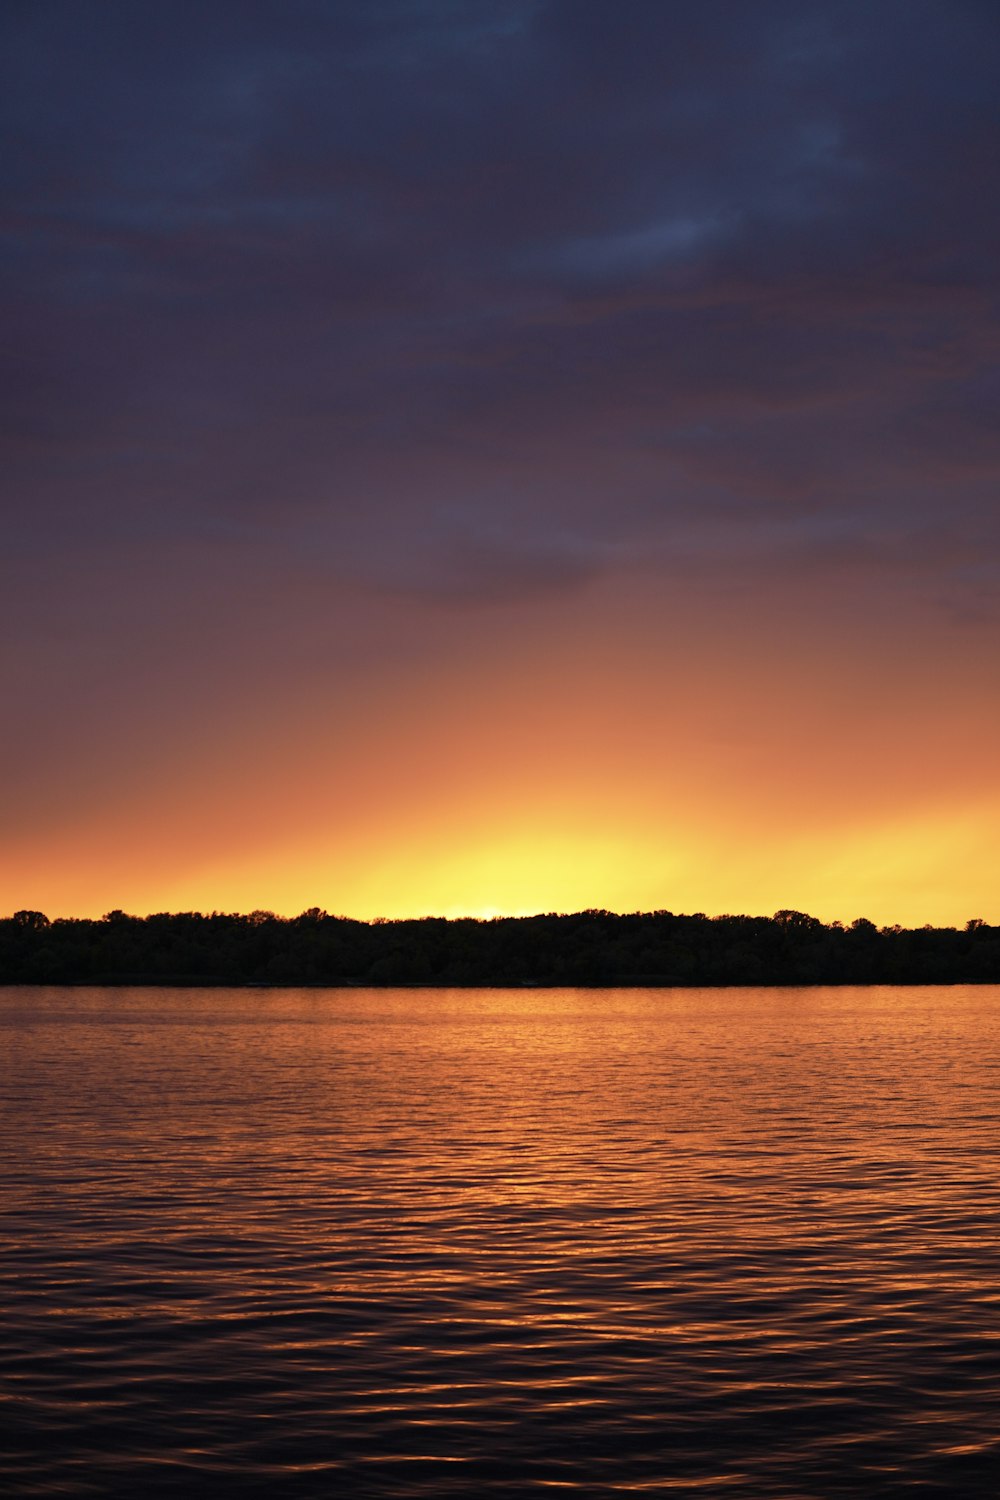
point(501, 1243)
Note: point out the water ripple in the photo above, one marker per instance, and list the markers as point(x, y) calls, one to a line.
point(499, 1244)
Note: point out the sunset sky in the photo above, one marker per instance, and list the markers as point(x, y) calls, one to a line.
point(474, 456)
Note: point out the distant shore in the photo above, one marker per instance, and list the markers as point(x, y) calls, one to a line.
point(591, 948)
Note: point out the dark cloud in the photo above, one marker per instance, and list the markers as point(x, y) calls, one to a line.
point(477, 298)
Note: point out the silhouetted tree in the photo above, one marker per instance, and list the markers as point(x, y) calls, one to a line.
point(592, 947)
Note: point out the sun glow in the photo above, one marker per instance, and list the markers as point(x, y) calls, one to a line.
point(557, 770)
point(928, 868)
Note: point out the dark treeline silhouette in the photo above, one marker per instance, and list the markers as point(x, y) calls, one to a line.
point(586, 948)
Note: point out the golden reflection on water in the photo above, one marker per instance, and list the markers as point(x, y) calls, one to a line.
point(453, 1242)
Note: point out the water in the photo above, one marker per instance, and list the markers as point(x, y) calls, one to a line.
point(500, 1243)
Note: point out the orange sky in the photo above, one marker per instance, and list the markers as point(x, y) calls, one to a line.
point(629, 746)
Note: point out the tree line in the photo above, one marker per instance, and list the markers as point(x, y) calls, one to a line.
point(583, 948)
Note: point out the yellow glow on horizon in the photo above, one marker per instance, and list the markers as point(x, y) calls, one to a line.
point(931, 867)
point(936, 865)
point(589, 761)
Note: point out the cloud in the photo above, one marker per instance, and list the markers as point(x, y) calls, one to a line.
point(279, 264)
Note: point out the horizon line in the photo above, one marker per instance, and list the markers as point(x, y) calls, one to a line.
point(788, 915)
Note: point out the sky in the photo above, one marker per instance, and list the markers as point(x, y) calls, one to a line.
point(495, 456)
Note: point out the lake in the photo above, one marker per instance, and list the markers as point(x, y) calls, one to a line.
point(384, 1243)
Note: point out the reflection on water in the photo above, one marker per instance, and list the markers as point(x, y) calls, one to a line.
point(501, 1243)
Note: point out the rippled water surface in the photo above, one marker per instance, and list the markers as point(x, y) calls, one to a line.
point(500, 1243)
